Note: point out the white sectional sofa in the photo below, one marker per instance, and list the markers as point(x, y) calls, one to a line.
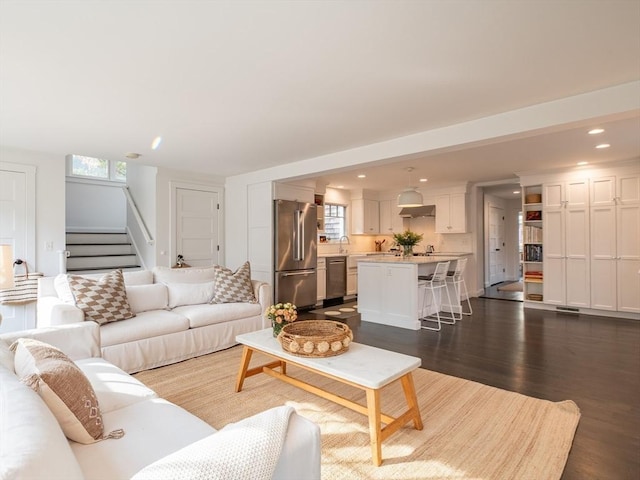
point(157, 433)
point(173, 318)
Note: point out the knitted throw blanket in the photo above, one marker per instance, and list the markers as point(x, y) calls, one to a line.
point(249, 450)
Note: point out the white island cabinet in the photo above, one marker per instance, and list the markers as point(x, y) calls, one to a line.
point(388, 289)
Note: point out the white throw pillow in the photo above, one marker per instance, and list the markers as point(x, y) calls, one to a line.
point(143, 298)
point(61, 284)
point(6, 356)
point(183, 275)
point(190, 293)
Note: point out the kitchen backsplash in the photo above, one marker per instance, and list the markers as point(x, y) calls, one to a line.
point(461, 242)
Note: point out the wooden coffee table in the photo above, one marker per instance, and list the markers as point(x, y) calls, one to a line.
point(364, 367)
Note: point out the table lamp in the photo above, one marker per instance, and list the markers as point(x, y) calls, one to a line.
point(6, 268)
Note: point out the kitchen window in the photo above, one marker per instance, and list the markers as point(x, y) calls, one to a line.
point(334, 221)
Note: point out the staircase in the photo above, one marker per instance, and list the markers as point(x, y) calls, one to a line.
point(95, 252)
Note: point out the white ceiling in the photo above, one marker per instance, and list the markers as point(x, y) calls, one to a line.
point(234, 87)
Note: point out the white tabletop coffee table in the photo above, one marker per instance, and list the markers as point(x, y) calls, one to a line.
point(364, 367)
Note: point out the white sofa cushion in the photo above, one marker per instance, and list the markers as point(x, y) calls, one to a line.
point(114, 388)
point(144, 325)
point(183, 275)
point(155, 429)
point(189, 293)
point(62, 385)
point(143, 298)
point(201, 315)
point(32, 445)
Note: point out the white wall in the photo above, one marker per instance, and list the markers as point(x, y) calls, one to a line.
point(141, 180)
point(93, 206)
point(50, 203)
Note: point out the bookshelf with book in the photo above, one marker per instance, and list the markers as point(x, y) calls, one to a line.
point(532, 266)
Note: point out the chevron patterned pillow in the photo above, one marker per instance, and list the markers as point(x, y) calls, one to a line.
point(103, 300)
point(233, 287)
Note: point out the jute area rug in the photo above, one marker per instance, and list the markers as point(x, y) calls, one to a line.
point(511, 287)
point(471, 431)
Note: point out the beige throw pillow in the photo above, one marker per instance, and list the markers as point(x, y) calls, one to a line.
point(103, 300)
point(63, 387)
point(233, 287)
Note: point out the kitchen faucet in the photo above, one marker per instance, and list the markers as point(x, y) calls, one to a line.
point(348, 243)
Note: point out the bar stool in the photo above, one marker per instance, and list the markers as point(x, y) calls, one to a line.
point(431, 284)
point(456, 278)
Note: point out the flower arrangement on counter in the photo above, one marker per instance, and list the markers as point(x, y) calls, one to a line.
point(280, 315)
point(407, 240)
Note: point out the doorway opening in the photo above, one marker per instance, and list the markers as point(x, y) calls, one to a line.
point(503, 242)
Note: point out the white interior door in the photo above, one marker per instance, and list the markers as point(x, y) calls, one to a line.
point(198, 226)
point(496, 245)
point(15, 226)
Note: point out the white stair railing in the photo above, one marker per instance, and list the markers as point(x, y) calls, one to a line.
point(138, 217)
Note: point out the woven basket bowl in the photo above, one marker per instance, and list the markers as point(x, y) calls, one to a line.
point(315, 338)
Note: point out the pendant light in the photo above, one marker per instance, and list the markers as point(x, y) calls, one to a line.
point(410, 197)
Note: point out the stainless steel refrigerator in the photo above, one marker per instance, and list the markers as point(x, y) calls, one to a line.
point(295, 253)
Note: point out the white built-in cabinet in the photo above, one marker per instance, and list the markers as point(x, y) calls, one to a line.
point(352, 281)
point(365, 216)
point(296, 193)
point(451, 214)
point(615, 243)
point(565, 217)
point(390, 220)
point(322, 279)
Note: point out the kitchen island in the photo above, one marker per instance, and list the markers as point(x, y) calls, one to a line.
point(388, 290)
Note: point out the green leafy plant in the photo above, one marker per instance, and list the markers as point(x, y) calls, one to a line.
point(407, 238)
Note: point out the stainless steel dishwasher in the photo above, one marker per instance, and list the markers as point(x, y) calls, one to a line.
point(336, 277)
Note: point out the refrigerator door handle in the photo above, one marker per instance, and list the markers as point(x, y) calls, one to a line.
point(298, 236)
point(299, 272)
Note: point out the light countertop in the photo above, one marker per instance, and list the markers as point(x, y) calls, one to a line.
point(414, 260)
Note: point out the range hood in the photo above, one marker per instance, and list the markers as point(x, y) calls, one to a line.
point(422, 211)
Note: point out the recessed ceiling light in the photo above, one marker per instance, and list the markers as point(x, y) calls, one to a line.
point(582, 164)
point(516, 192)
point(423, 179)
point(362, 176)
point(603, 145)
point(156, 143)
point(596, 131)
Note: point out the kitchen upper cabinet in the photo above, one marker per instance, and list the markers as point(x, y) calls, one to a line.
point(451, 213)
point(365, 217)
point(390, 220)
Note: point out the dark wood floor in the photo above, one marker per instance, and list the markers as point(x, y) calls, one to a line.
point(594, 361)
